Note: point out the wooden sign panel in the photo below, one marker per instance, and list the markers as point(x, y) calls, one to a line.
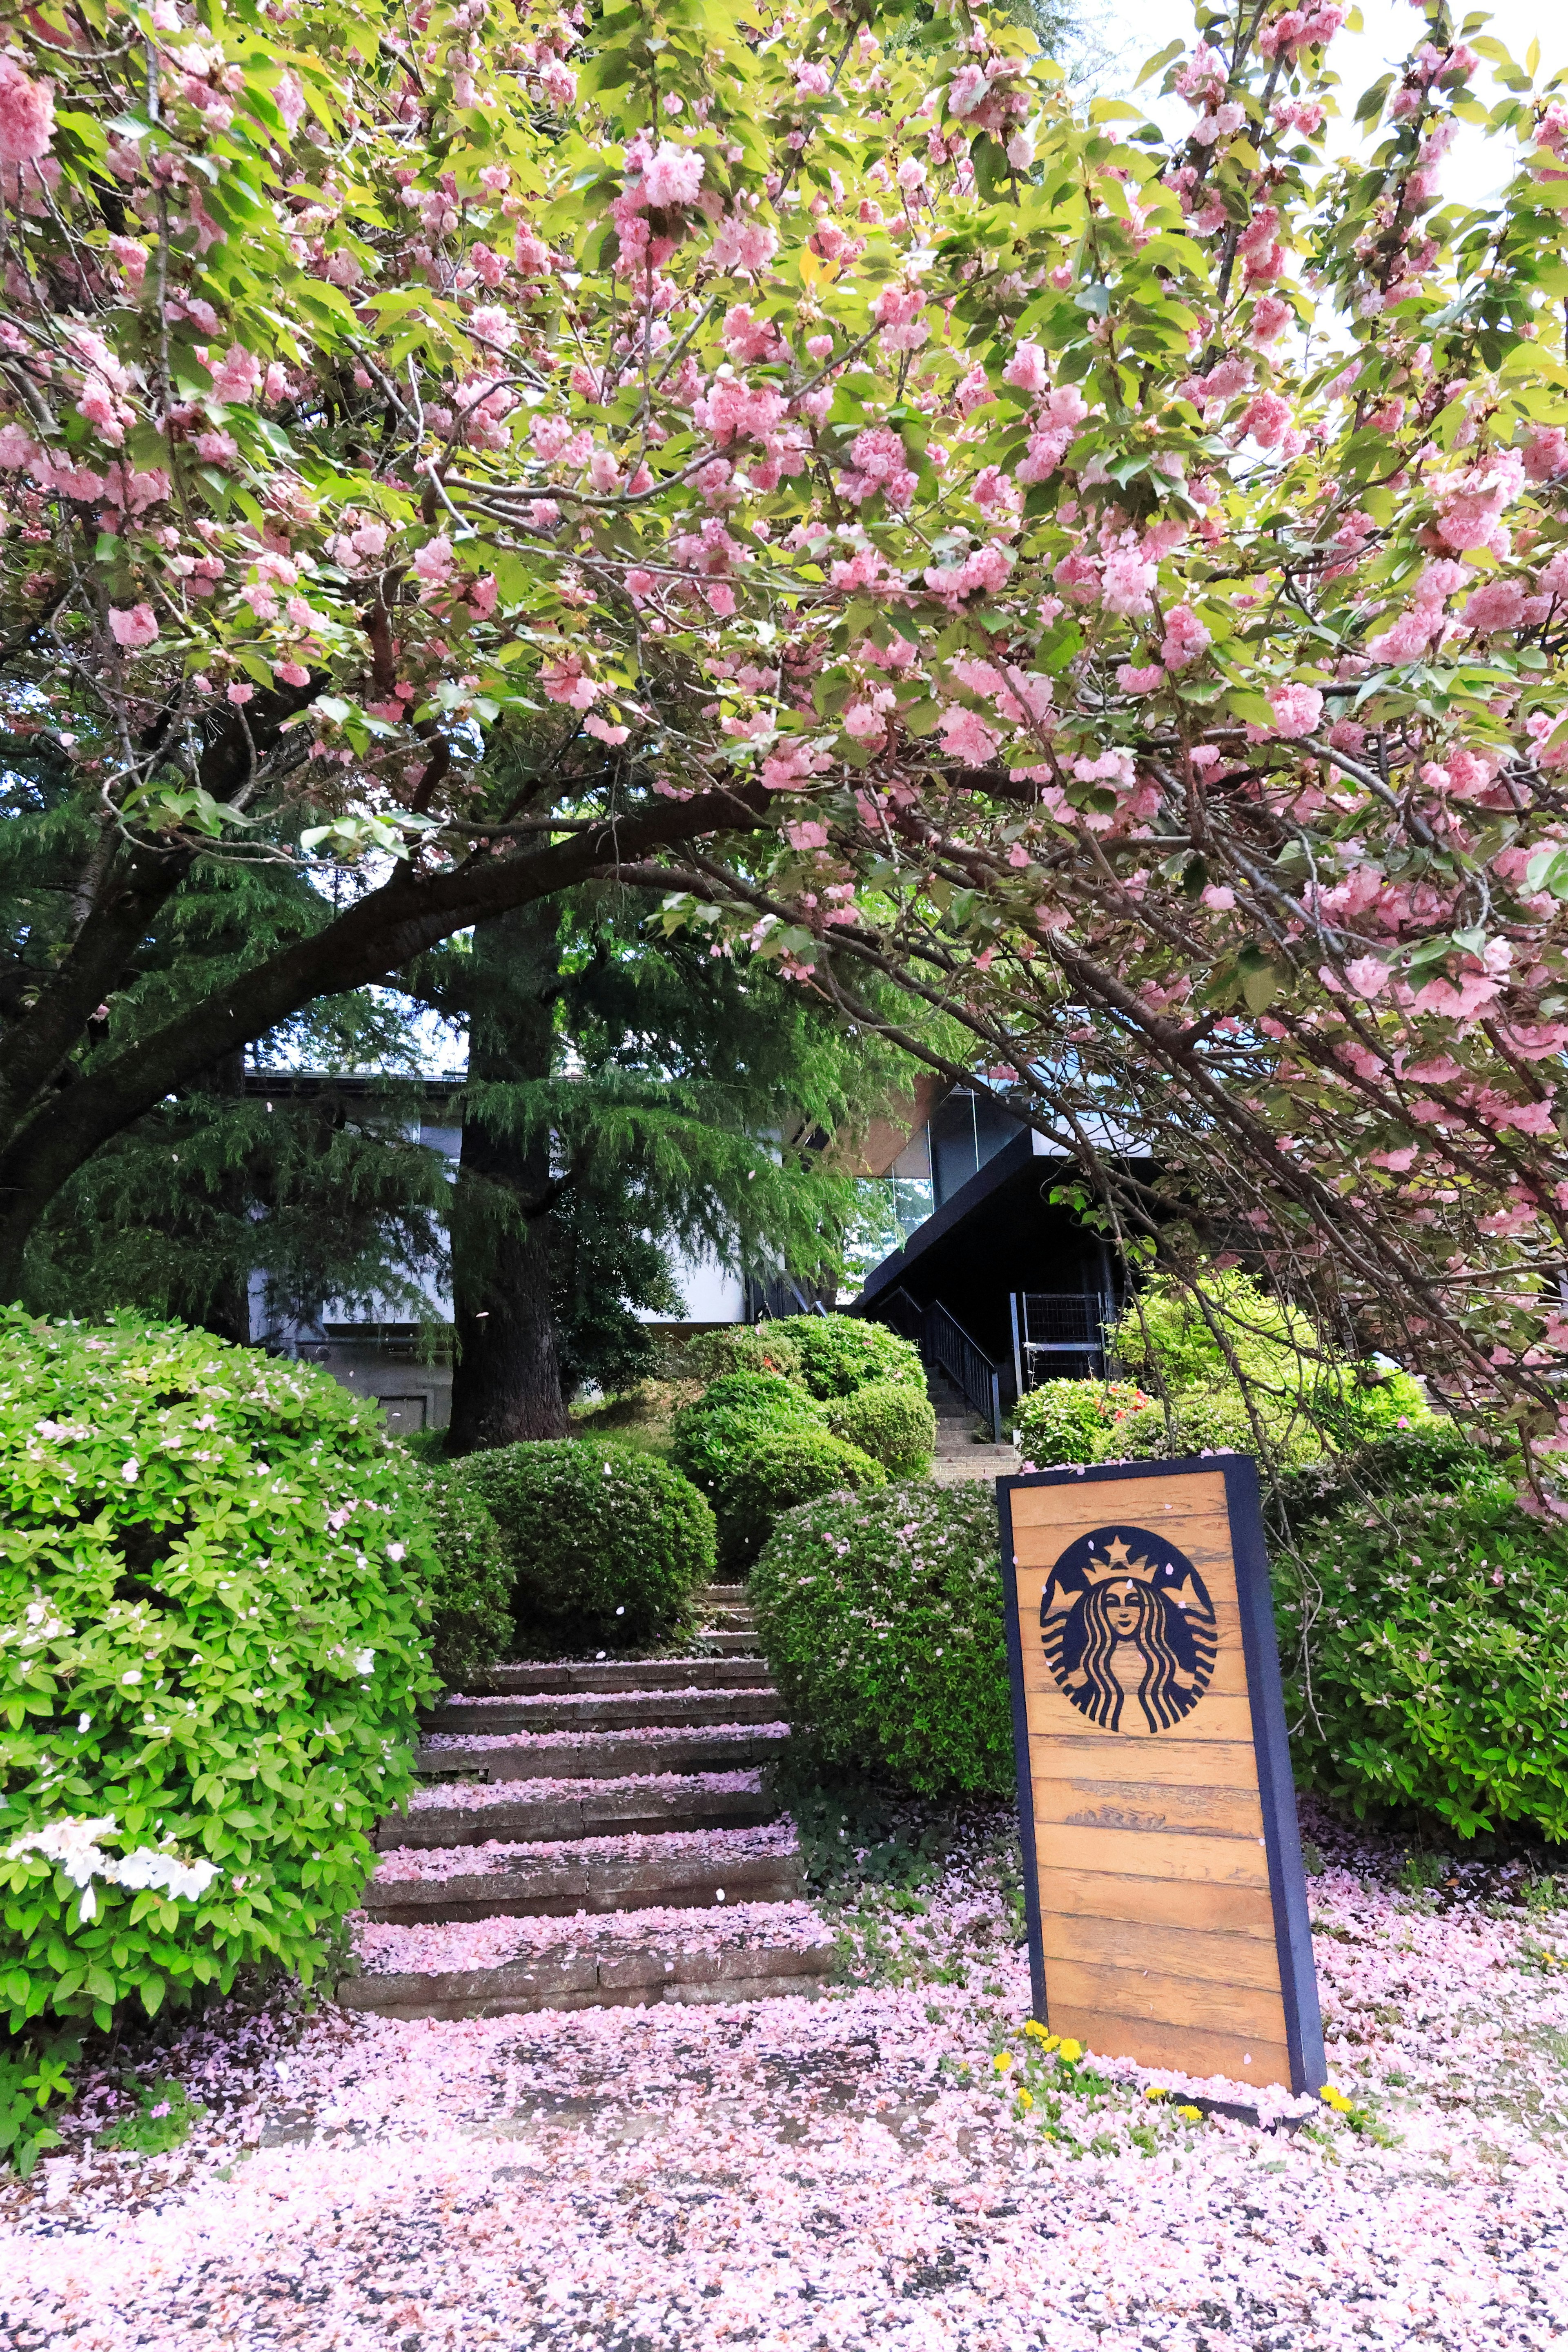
point(1167, 1905)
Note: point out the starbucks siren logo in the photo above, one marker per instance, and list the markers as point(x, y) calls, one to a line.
point(1129, 1630)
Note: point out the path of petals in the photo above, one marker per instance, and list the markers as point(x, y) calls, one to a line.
point(821, 2176)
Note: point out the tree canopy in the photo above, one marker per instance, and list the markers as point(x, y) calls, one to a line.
point(1112, 582)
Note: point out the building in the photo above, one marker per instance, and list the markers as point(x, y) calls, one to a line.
point(996, 1280)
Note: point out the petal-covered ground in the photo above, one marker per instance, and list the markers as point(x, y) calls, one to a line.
point(849, 2172)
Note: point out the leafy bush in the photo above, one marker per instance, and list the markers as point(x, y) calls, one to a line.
point(881, 1617)
point(31, 2077)
point(742, 1348)
point(211, 1650)
point(839, 1354)
point(604, 1544)
point(1072, 1420)
point(1369, 1401)
point(894, 1423)
point(1431, 1457)
point(163, 2118)
point(1164, 1337)
point(1435, 1634)
point(1210, 1421)
point(709, 1439)
point(776, 1472)
point(468, 1587)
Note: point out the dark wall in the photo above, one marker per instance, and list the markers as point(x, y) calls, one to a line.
point(1013, 1239)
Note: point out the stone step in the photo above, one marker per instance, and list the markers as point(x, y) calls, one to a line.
point(731, 1644)
point(700, 1673)
point(601, 1756)
point(716, 1596)
point(583, 1969)
point(580, 1711)
point(697, 1870)
point(639, 1806)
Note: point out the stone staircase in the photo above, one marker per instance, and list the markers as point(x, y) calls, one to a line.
point(625, 1797)
point(964, 1449)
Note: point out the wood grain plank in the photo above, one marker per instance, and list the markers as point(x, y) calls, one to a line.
point(1219, 1716)
point(1196, 1493)
point(1081, 1895)
point(1157, 1919)
point(1189, 2049)
point(1109, 1760)
point(1248, 2013)
point(1206, 1955)
point(1215, 1862)
point(1081, 1803)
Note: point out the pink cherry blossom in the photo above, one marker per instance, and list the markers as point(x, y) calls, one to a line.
point(26, 115)
point(672, 175)
point(133, 626)
point(1297, 709)
point(237, 377)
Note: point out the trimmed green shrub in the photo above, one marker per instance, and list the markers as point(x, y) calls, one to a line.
point(881, 1618)
point(776, 1472)
point(742, 1348)
point(211, 1652)
point(1210, 1421)
point(605, 1545)
point(894, 1423)
point(1426, 1645)
point(838, 1353)
point(1165, 1340)
point(1073, 1421)
point(709, 1439)
point(1431, 1457)
point(1367, 1400)
point(469, 1586)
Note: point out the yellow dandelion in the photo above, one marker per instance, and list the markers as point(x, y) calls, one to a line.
point(1191, 2115)
point(1002, 2061)
point(1336, 2099)
point(1156, 2091)
point(1071, 2051)
point(1025, 2101)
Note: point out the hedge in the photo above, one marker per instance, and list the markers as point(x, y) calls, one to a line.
point(211, 1652)
point(839, 1353)
point(605, 1545)
point(470, 1585)
point(894, 1423)
point(1426, 1647)
point(709, 1439)
point(775, 1472)
point(881, 1618)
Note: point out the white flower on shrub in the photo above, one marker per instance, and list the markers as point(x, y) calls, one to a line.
point(41, 1624)
point(73, 1845)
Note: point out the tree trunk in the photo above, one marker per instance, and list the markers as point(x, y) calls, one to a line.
point(367, 943)
point(506, 1381)
point(228, 1310)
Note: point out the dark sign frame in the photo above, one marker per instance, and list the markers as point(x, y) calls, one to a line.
point(1271, 1747)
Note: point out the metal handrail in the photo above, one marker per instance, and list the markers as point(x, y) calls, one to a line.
point(946, 1347)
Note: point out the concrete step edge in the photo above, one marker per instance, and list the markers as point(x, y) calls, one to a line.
point(554, 1888)
point(601, 1756)
point(627, 1979)
point(438, 1828)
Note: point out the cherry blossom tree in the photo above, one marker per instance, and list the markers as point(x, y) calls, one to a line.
point(893, 513)
point(1246, 853)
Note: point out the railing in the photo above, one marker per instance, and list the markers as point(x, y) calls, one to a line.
point(1050, 1324)
point(946, 1347)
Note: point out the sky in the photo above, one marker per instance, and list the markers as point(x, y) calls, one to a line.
point(1135, 30)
